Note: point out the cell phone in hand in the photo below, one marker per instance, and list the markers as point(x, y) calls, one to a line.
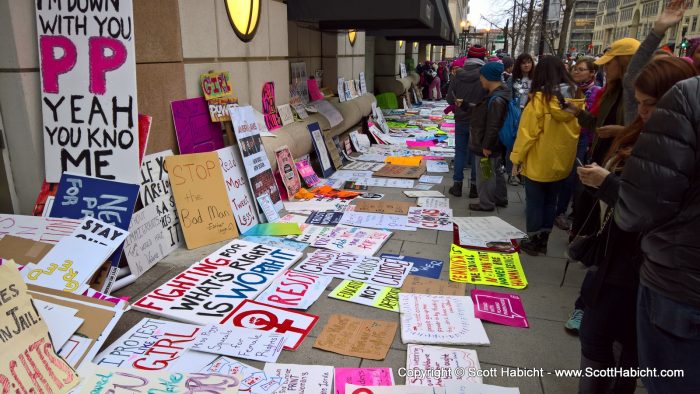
point(578, 161)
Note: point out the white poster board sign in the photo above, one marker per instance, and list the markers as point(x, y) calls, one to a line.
point(239, 194)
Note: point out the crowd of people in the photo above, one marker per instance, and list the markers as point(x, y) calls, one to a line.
point(608, 149)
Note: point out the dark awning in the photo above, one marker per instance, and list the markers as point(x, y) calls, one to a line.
point(442, 32)
point(364, 14)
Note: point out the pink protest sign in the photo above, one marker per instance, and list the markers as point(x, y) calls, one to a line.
point(195, 131)
point(414, 144)
point(362, 377)
point(270, 112)
point(501, 308)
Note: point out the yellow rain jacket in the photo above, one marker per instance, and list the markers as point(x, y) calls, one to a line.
point(547, 140)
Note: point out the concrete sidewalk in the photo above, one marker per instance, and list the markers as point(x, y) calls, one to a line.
point(544, 345)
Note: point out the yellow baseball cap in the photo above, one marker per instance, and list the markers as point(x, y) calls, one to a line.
point(621, 47)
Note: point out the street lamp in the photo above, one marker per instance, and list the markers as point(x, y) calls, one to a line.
point(488, 30)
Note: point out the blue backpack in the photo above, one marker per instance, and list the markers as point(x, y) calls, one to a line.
point(509, 130)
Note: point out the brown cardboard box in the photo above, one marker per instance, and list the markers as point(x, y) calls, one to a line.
point(23, 250)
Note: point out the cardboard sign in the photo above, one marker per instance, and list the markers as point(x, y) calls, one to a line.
point(363, 83)
point(430, 218)
point(88, 88)
point(155, 182)
point(301, 379)
point(373, 220)
point(239, 195)
point(325, 218)
point(399, 171)
point(216, 85)
point(193, 127)
point(307, 172)
point(423, 193)
point(285, 113)
point(240, 342)
point(255, 161)
point(288, 170)
point(362, 377)
point(151, 345)
point(352, 240)
point(44, 229)
point(294, 325)
point(237, 271)
point(220, 109)
point(154, 233)
point(436, 319)
point(202, 202)
point(320, 147)
point(22, 250)
point(348, 335)
point(432, 202)
point(421, 357)
point(24, 332)
point(486, 268)
point(384, 206)
point(382, 297)
point(142, 381)
point(298, 82)
point(253, 380)
point(422, 267)
point(421, 285)
point(368, 269)
point(501, 308)
point(272, 116)
point(294, 290)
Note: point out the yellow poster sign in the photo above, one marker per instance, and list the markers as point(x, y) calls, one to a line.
point(486, 268)
point(404, 161)
point(382, 297)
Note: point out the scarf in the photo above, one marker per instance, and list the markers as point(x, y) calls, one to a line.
point(584, 86)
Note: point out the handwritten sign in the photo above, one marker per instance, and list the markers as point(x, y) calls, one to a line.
point(362, 377)
point(240, 342)
point(37, 228)
point(285, 113)
point(154, 233)
point(373, 220)
point(501, 308)
point(115, 381)
point(202, 202)
point(253, 380)
point(220, 109)
point(294, 290)
point(239, 194)
point(422, 267)
point(194, 130)
point(216, 85)
point(382, 297)
point(430, 218)
point(88, 86)
point(432, 202)
point(155, 182)
point(352, 240)
point(151, 345)
point(288, 170)
point(422, 357)
point(255, 161)
point(486, 268)
point(437, 166)
point(355, 337)
point(24, 335)
point(272, 116)
point(237, 271)
point(400, 171)
point(436, 319)
point(320, 147)
point(268, 208)
point(301, 379)
point(368, 269)
point(294, 325)
point(384, 206)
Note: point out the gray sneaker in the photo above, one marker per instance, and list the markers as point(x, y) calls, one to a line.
point(574, 323)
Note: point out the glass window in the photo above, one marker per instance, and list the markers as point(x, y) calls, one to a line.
point(695, 23)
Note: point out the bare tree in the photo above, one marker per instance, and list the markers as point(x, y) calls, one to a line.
point(567, 10)
point(528, 26)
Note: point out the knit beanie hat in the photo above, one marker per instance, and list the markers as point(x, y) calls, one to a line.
point(492, 71)
point(476, 51)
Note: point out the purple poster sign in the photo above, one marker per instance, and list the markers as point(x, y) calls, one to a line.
point(501, 308)
point(272, 116)
point(195, 131)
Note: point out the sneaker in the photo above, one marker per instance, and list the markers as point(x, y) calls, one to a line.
point(563, 222)
point(513, 180)
point(574, 323)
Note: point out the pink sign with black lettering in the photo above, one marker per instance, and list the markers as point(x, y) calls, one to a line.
point(501, 308)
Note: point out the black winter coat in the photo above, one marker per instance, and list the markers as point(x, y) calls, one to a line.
point(487, 120)
point(466, 86)
point(660, 195)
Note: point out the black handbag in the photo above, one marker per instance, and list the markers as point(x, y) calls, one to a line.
point(585, 249)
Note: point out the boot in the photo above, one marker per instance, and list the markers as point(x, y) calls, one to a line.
point(544, 239)
point(591, 385)
point(535, 245)
point(473, 193)
point(456, 189)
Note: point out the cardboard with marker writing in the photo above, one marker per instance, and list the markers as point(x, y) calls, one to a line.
point(384, 206)
point(202, 202)
point(355, 337)
point(398, 171)
point(295, 290)
point(88, 88)
point(216, 85)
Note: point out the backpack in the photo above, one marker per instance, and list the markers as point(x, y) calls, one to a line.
point(509, 130)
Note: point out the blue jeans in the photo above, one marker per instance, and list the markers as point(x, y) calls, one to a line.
point(567, 189)
point(668, 335)
point(540, 205)
point(463, 154)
